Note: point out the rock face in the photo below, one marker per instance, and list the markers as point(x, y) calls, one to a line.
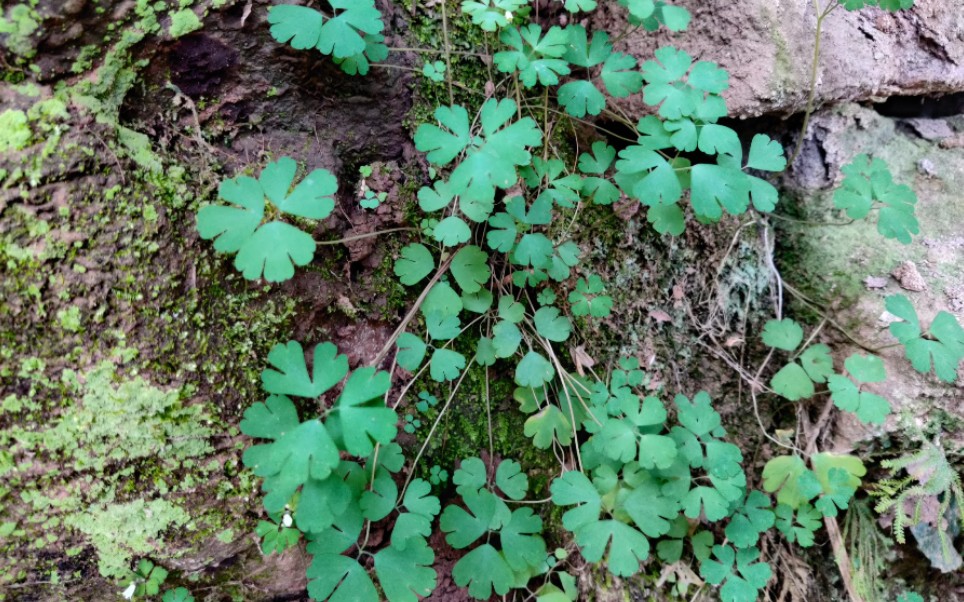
point(767, 46)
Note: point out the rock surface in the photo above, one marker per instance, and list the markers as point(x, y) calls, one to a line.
point(767, 46)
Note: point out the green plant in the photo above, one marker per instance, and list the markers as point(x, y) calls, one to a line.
point(270, 249)
point(501, 292)
point(930, 477)
point(147, 578)
point(942, 345)
point(177, 595)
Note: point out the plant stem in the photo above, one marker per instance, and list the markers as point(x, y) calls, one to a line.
point(448, 52)
point(428, 438)
point(411, 313)
point(360, 236)
point(814, 67)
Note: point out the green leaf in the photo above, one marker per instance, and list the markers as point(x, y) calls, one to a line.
point(574, 488)
point(647, 176)
point(273, 251)
point(361, 409)
point(533, 249)
point(410, 527)
point(639, 9)
point(276, 538)
point(548, 425)
point(720, 140)
point(766, 154)
point(675, 18)
point(868, 183)
point(792, 382)
point(452, 231)
point(753, 518)
point(443, 145)
point(406, 575)
point(535, 57)
point(506, 337)
point(798, 526)
point(439, 196)
point(628, 546)
point(522, 546)
point(656, 451)
point(617, 440)
point(339, 579)
point(718, 187)
point(273, 248)
point(581, 97)
point(782, 334)
point(300, 26)
point(231, 227)
point(619, 77)
point(866, 368)
point(662, 76)
point(470, 268)
point(177, 595)
point(534, 371)
point(714, 505)
point(306, 451)
point(271, 419)
point(411, 351)
point(341, 535)
point(478, 302)
point(551, 325)
point(359, 64)
point(869, 408)
point(666, 219)
point(838, 492)
point(599, 161)
point(446, 365)
point(311, 198)
point(379, 501)
point(740, 583)
point(442, 327)
point(483, 570)
point(341, 36)
point(575, 6)
point(511, 480)
point(443, 300)
point(588, 298)
point(470, 477)
point(652, 512)
point(463, 527)
point(698, 416)
point(817, 362)
point(321, 502)
point(416, 262)
point(490, 15)
point(418, 499)
point(511, 310)
point(944, 348)
point(434, 71)
point(790, 476)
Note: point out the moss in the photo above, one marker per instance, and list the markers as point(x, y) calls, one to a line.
point(21, 22)
point(15, 134)
point(831, 261)
point(121, 532)
point(183, 22)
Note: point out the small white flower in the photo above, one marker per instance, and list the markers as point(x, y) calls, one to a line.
point(508, 15)
point(286, 520)
point(129, 592)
